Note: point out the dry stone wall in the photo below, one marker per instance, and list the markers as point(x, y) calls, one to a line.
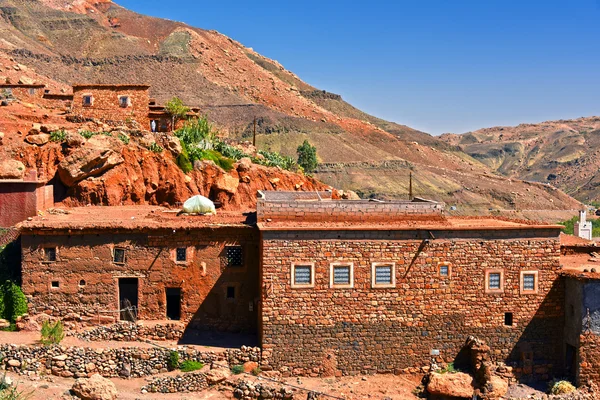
point(324, 331)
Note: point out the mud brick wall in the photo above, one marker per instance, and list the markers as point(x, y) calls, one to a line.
point(26, 92)
point(106, 105)
point(323, 330)
point(89, 279)
point(343, 211)
point(22, 199)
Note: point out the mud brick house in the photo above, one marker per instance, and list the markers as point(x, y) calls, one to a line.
point(581, 264)
point(112, 103)
point(22, 198)
point(359, 286)
point(95, 260)
point(21, 91)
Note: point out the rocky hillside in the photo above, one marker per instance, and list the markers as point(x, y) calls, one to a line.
point(99, 41)
point(564, 153)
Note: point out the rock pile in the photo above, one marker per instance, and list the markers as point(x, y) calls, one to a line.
point(130, 331)
point(190, 382)
point(243, 355)
point(247, 391)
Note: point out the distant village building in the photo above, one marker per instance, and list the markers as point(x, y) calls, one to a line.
point(18, 90)
point(22, 198)
point(583, 228)
point(112, 103)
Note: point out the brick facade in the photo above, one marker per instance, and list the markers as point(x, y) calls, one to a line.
point(106, 103)
point(88, 279)
point(364, 329)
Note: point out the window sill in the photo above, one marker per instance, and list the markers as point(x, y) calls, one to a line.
point(383, 286)
point(303, 286)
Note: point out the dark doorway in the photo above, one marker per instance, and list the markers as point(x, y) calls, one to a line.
point(128, 298)
point(174, 303)
point(571, 362)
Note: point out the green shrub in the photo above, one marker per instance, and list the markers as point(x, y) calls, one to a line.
point(237, 369)
point(123, 138)
point(307, 156)
point(449, 369)
point(229, 151)
point(256, 371)
point(13, 302)
point(52, 333)
point(189, 366)
point(106, 133)
point(173, 362)
point(176, 109)
point(272, 159)
point(195, 131)
point(13, 392)
point(87, 134)
point(58, 136)
point(155, 148)
point(561, 387)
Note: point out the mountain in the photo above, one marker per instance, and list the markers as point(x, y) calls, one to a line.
point(564, 153)
point(98, 41)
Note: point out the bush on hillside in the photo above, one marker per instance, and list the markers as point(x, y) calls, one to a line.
point(307, 156)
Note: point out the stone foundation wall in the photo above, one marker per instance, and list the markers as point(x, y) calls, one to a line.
point(324, 331)
point(88, 279)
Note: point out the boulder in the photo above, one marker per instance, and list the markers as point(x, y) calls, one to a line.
point(496, 388)
point(74, 139)
point(26, 81)
point(12, 169)
point(244, 164)
point(49, 128)
point(249, 366)
point(227, 183)
point(217, 375)
point(459, 385)
point(4, 324)
point(98, 155)
point(94, 388)
point(147, 140)
point(174, 145)
point(39, 139)
point(350, 195)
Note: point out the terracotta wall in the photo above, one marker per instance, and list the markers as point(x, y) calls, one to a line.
point(365, 329)
point(21, 199)
point(150, 257)
point(106, 105)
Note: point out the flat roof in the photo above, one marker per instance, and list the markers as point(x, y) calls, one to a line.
point(110, 86)
point(136, 217)
point(18, 85)
point(410, 223)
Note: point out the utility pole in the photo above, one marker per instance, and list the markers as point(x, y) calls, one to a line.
point(254, 134)
point(410, 192)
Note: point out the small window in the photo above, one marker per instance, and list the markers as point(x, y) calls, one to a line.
point(494, 281)
point(341, 275)
point(124, 101)
point(231, 292)
point(302, 275)
point(508, 319)
point(181, 254)
point(82, 282)
point(87, 100)
point(444, 269)
point(50, 254)
point(383, 275)
point(31, 91)
point(119, 256)
point(55, 284)
point(234, 256)
point(529, 282)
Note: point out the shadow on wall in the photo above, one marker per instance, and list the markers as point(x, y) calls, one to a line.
point(540, 350)
point(228, 315)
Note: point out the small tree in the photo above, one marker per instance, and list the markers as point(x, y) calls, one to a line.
point(52, 333)
point(177, 110)
point(307, 156)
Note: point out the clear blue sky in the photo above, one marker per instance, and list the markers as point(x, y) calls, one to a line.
point(435, 65)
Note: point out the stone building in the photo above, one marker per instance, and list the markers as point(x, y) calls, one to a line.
point(94, 261)
point(362, 287)
point(116, 104)
point(352, 286)
point(22, 91)
point(22, 198)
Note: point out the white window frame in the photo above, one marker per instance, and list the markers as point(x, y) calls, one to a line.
point(128, 100)
point(84, 104)
point(333, 285)
point(293, 274)
point(535, 283)
point(374, 266)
